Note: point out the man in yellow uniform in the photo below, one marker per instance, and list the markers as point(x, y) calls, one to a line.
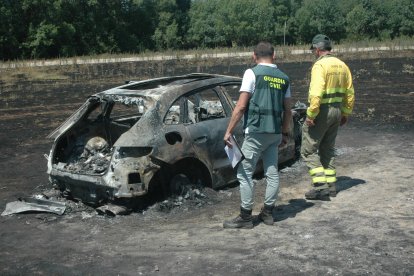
point(331, 100)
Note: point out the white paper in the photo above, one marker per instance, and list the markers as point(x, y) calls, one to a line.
point(234, 153)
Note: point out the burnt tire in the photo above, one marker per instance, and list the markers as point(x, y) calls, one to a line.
point(178, 184)
point(297, 135)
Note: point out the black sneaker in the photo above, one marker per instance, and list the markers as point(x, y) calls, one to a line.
point(320, 194)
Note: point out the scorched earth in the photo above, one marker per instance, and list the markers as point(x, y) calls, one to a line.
point(367, 229)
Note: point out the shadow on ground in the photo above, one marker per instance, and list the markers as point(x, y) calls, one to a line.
point(290, 210)
point(345, 182)
point(298, 205)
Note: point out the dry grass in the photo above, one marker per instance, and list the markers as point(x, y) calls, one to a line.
point(60, 69)
point(11, 75)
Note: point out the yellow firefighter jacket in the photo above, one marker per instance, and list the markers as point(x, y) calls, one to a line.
point(331, 84)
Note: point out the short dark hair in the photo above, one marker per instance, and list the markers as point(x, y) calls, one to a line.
point(264, 49)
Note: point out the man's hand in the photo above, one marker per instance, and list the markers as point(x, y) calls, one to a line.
point(285, 138)
point(309, 122)
point(344, 120)
point(227, 139)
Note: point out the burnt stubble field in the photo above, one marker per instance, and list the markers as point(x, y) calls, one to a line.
point(367, 229)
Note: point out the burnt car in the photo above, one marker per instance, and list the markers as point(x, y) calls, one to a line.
point(144, 135)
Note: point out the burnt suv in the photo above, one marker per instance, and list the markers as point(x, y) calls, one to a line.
point(139, 137)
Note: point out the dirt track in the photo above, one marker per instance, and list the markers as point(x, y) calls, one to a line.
point(367, 229)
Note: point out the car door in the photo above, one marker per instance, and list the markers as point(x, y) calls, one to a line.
point(177, 144)
point(207, 123)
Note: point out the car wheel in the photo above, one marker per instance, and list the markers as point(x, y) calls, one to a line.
point(297, 134)
point(179, 184)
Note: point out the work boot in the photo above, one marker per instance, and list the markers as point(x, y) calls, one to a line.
point(242, 221)
point(317, 194)
point(266, 214)
point(332, 189)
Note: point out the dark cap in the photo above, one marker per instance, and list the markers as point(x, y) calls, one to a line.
point(322, 42)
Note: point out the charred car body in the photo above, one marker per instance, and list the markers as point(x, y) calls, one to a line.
point(138, 137)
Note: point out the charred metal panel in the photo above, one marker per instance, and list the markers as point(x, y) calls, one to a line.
point(122, 166)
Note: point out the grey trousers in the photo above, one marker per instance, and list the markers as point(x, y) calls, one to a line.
point(258, 145)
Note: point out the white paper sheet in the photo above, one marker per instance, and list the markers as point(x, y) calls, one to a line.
point(234, 153)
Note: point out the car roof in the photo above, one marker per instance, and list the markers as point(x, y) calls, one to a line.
point(156, 87)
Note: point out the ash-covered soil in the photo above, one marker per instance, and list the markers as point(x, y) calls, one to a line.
point(367, 229)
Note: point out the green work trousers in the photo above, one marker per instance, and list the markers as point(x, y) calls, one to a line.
point(318, 142)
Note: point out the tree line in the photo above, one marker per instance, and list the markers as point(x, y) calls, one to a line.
point(65, 28)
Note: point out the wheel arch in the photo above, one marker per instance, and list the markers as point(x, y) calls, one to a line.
point(193, 168)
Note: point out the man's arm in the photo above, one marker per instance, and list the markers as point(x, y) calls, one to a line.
point(237, 114)
point(348, 100)
point(316, 89)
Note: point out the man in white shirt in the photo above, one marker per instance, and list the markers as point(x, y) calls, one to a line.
point(264, 102)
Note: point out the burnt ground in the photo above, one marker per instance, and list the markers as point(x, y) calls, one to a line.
point(367, 229)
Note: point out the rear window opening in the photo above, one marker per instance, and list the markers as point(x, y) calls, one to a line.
point(87, 146)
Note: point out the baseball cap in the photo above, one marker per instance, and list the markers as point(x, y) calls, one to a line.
point(321, 41)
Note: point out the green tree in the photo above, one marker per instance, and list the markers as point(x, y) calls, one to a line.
point(251, 21)
point(233, 22)
point(136, 24)
point(203, 19)
point(401, 18)
point(369, 19)
point(183, 18)
point(84, 27)
point(171, 25)
point(12, 31)
point(166, 32)
point(282, 10)
point(42, 40)
point(41, 31)
point(407, 18)
point(53, 28)
point(319, 16)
